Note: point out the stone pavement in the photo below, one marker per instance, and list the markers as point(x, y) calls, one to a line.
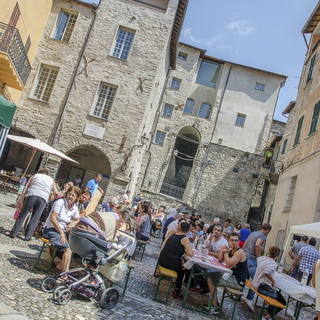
point(22, 298)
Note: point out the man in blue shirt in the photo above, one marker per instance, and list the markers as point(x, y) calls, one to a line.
point(244, 234)
point(93, 185)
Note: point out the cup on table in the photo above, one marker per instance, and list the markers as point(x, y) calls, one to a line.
point(204, 251)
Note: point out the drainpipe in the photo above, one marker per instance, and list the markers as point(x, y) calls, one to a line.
point(154, 125)
point(66, 96)
point(212, 134)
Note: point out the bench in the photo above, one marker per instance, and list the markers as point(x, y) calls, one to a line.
point(232, 294)
point(164, 274)
point(46, 245)
point(266, 300)
point(158, 231)
point(141, 246)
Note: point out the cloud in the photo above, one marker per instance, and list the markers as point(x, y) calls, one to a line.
point(188, 35)
point(240, 27)
point(212, 40)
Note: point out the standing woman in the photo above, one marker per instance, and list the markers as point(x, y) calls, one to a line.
point(316, 284)
point(63, 216)
point(144, 221)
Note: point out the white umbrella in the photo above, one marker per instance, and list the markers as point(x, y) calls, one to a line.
point(37, 145)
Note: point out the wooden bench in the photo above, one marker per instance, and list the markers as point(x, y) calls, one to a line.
point(232, 294)
point(46, 245)
point(165, 274)
point(266, 300)
point(158, 231)
point(141, 246)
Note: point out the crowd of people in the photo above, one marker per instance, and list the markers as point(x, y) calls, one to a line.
point(56, 211)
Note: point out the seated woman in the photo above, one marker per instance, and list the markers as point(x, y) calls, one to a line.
point(63, 216)
point(266, 267)
point(235, 259)
point(174, 247)
point(144, 222)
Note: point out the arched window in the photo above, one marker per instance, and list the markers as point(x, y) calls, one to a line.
point(188, 108)
point(205, 111)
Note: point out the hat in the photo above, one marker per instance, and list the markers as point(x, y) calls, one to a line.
point(216, 220)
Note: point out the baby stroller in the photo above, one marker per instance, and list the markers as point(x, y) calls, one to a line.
point(94, 246)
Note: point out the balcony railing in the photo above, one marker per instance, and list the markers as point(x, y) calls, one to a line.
point(171, 190)
point(11, 44)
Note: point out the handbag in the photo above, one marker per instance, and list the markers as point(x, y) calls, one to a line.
point(115, 272)
point(267, 290)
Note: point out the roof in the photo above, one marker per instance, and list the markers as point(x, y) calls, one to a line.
point(289, 107)
point(313, 20)
point(7, 110)
point(193, 47)
point(177, 26)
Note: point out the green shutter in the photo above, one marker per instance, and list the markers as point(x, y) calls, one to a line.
point(297, 137)
point(315, 117)
point(311, 68)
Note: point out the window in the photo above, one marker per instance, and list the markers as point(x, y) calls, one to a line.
point(167, 110)
point(260, 86)
point(159, 139)
point(175, 83)
point(297, 137)
point(182, 56)
point(188, 108)
point(205, 110)
point(312, 61)
point(315, 117)
point(241, 118)
point(44, 82)
point(208, 74)
point(123, 43)
point(104, 100)
point(292, 186)
point(65, 25)
point(284, 146)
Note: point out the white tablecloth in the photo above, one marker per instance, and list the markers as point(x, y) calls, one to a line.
point(295, 289)
point(208, 262)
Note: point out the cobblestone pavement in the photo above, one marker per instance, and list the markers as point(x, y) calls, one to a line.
point(22, 296)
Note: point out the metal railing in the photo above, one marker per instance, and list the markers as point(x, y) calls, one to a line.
point(171, 190)
point(11, 43)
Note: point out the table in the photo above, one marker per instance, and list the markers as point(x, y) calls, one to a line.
point(4, 181)
point(305, 295)
point(210, 264)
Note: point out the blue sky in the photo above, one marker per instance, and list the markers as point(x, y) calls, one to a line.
point(262, 34)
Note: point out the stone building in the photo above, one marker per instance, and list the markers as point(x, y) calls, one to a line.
point(111, 87)
point(210, 134)
point(297, 197)
point(95, 85)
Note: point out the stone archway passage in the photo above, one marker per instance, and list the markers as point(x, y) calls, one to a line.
point(181, 163)
point(91, 161)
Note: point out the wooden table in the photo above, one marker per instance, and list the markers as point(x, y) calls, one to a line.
point(4, 182)
point(209, 264)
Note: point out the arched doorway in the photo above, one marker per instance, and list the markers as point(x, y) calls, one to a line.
point(181, 163)
point(91, 161)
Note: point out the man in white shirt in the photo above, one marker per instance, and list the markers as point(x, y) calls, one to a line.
point(216, 241)
point(125, 198)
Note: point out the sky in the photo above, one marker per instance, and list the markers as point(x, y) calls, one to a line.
point(261, 34)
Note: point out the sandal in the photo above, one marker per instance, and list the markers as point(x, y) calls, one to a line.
point(176, 294)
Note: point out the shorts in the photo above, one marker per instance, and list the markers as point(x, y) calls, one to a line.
point(53, 235)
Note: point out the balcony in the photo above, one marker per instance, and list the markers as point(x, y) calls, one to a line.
point(14, 63)
point(172, 191)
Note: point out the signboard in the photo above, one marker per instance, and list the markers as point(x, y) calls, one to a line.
point(93, 131)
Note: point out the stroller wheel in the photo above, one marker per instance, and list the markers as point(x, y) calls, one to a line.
point(109, 298)
point(64, 296)
point(48, 284)
point(57, 291)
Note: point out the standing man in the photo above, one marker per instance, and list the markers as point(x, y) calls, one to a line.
point(253, 249)
point(308, 256)
point(39, 188)
point(244, 234)
point(294, 252)
point(93, 185)
point(125, 198)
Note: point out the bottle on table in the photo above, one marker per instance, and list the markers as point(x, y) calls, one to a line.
point(280, 267)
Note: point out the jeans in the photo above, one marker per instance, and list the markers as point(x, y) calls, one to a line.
point(252, 267)
point(37, 204)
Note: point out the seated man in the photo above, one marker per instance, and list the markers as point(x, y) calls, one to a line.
point(235, 259)
point(83, 202)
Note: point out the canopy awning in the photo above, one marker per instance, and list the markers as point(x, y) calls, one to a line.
point(7, 110)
